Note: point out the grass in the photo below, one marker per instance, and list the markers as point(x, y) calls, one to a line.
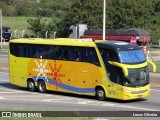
point(19, 24)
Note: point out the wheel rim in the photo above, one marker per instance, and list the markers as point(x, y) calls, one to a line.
point(41, 87)
point(100, 93)
point(31, 85)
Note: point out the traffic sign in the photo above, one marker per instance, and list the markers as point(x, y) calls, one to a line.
point(133, 40)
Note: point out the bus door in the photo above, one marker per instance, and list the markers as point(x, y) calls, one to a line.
point(114, 73)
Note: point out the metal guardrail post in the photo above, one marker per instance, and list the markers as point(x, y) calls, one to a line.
point(23, 33)
point(46, 35)
point(15, 33)
point(1, 26)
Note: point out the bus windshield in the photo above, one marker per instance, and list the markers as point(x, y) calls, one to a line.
point(132, 56)
point(137, 77)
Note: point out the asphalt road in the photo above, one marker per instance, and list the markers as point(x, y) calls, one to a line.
point(4, 58)
point(19, 98)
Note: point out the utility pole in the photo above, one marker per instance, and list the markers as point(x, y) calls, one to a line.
point(104, 20)
point(1, 26)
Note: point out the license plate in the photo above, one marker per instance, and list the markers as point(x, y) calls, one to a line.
point(139, 96)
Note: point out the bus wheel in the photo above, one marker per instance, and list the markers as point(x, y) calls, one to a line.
point(100, 93)
point(42, 86)
point(31, 85)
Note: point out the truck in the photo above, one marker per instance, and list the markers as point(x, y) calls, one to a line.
point(6, 33)
point(133, 35)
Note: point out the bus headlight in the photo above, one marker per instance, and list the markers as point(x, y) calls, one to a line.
point(148, 89)
point(125, 90)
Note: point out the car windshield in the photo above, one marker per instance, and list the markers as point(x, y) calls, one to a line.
point(132, 56)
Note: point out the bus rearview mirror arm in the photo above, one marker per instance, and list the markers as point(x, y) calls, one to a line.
point(125, 70)
point(153, 65)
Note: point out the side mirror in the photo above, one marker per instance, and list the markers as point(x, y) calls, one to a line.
point(153, 65)
point(125, 70)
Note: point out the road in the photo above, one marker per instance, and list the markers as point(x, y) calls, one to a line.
point(19, 98)
point(4, 58)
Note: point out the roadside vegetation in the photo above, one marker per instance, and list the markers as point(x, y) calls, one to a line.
point(63, 13)
point(19, 23)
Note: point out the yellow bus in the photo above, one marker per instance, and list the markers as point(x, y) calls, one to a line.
point(103, 69)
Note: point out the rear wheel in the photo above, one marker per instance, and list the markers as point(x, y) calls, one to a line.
point(100, 93)
point(42, 86)
point(31, 85)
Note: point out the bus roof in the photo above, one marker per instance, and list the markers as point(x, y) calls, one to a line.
point(112, 45)
point(57, 41)
point(117, 45)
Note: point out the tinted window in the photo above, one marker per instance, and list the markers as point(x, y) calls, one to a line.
point(109, 55)
point(69, 53)
point(132, 56)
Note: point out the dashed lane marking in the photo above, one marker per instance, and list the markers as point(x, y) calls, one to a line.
point(155, 90)
point(4, 72)
point(1, 97)
point(3, 80)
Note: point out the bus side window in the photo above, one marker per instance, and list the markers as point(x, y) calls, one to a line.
point(33, 51)
point(19, 50)
point(70, 52)
point(39, 50)
point(76, 52)
point(80, 53)
point(50, 52)
point(24, 51)
point(46, 51)
point(58, 52)
point(112, 56)
point(73, 53)
point(104, 54)
point(64, 53)
point(90, 56)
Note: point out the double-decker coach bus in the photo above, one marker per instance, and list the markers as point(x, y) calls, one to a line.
point(103, 69)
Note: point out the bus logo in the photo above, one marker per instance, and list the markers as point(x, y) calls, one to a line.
point(41, 69)
point(56, 74)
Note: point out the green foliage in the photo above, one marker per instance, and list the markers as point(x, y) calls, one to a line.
point(36, 26)
point(144, 14)
point(40, 26)
point(82, 11)
point(119, 14)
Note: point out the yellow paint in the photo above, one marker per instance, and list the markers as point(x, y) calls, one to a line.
point(153, 65)
point(126, 66)
point(69, 76)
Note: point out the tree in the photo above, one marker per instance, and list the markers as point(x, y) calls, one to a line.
point(36, 26)
point(120, 14)
point(82, 11)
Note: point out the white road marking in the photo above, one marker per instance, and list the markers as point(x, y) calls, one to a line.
point(155, 90)
point(23, 96)
point(10, 92)
point(4, 72)
point(66, 100)
point(1, 97)
point(4, 80)
point(140, 108)
point(90, 103)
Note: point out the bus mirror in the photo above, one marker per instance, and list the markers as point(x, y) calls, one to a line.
point(153, 65)
point(125, 70)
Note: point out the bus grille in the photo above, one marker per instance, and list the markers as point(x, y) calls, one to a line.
point(137, 92)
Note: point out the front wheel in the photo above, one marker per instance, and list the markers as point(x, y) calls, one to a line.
point(100, 94)
point(42, 86)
